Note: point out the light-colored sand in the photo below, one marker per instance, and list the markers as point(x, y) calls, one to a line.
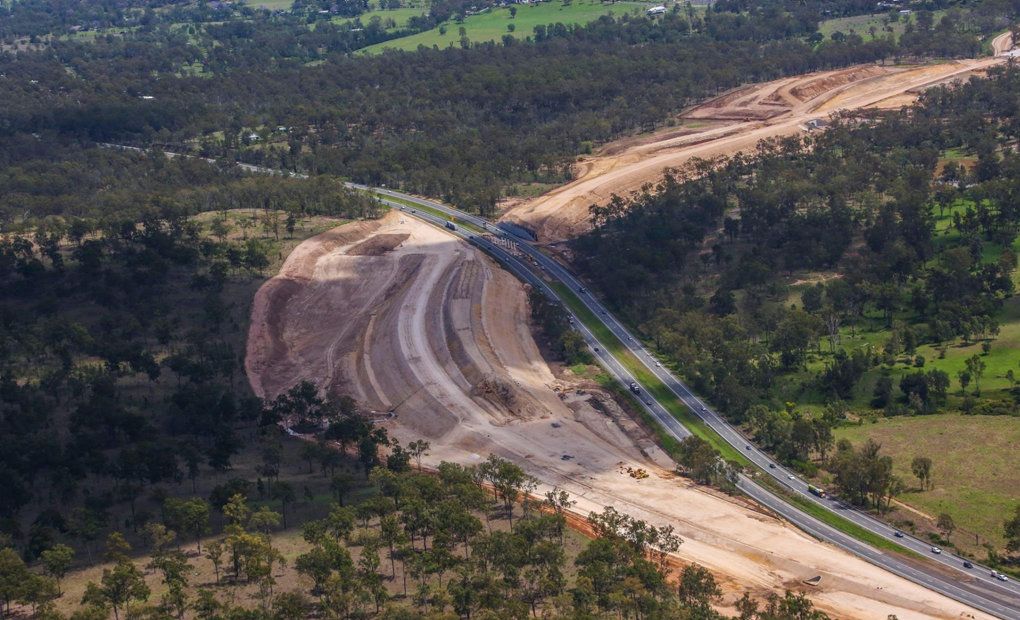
point(424, 325)
point(738, 121)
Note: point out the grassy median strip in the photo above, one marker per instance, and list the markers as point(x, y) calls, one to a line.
point(436, 212)
point(834, 520)
point(656, 388)
point(698, 427)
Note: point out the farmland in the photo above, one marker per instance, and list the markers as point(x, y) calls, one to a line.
point(973, 483)
point(878, 25)
point(493, 24)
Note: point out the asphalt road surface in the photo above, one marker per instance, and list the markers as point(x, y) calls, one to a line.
point(943, 573)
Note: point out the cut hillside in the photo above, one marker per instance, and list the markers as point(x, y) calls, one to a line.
point(435, 334)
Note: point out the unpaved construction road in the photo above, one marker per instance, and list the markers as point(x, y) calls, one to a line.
point(732, 123)
point(407, 318)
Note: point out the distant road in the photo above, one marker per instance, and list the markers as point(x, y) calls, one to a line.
point(942, 573)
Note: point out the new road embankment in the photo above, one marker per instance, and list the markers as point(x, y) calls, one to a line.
point(680, 412)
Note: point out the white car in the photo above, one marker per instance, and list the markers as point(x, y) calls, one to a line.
point(936, 550)
point(1002, 577)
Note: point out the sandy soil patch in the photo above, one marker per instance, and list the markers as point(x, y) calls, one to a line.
point(433, 331)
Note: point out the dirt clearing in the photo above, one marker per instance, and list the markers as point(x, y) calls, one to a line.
point(733, 122)
point(426, 327)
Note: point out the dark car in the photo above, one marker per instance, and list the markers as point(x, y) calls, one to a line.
point(898, 534)
point(967, 564)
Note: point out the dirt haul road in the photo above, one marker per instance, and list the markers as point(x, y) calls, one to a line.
point(407, 318)
point(732, 123)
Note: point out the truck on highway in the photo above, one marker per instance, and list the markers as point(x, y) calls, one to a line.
point(451, 225)
point(816, 491)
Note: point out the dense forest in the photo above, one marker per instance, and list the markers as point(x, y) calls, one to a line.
point(120, 350)
point(755, 275)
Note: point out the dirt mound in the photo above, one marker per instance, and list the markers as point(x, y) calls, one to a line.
point(497, 391)
point(811, 88)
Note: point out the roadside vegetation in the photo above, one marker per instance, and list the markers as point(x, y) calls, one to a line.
point(839, 278)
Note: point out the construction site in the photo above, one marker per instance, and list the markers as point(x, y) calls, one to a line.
point(423, 329)
point(728, 124)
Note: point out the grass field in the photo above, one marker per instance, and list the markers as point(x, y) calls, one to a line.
point(492, 24)
point(399, 16)
point(975, 480)
point(271, 4)
point(863, 24)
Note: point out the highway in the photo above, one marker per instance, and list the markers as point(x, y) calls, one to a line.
point(945, 573)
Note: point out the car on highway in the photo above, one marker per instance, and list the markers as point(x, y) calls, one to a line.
point(772, 465)
point(898, 534)
point(747, 447)
point(1002, 577)
point(648, 402)
point(704, 409)
point(936, 550)
point(967, 564)
point(791, 476)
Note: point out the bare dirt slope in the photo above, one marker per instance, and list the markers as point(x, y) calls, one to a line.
point(407, 318)
point(728, 124)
